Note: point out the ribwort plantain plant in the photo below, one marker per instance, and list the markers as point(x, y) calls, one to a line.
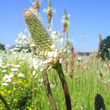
point(99, 102)
point(50, 56)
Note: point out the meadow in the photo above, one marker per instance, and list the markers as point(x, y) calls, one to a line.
point(17, 88)
point(24, 74)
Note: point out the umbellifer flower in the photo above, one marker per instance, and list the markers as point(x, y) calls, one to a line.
point(49, 53)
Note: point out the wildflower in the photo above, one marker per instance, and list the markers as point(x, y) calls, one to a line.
point(40, 80)
point(14, 69)
point(9, 91)
point(8, 64)
point(19, 81)
point(14, 52)
point(22, 89)
point(21, 75)
point(48, 51)
point(34, 72)
point(105, 69)
point(3, 71)
point(20, 35)
point(24, 37)
point(49, 11)
point(18, 41)
point(14, 89)
point(65, 21)
point(4, 67)
point(79, 58)
point(8, 80)
point(37, 5)
point(14, 82)
point(16, 66)
point(4, 84)
point(8, 76)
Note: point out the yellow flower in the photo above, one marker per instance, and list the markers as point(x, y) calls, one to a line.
point(2, 87)
point(15, 100)
point(22, 89)
point(8, 100)
point(14, 88)
point(28, 72)
point(20, 81)
point(2, 92)
point(27, 107)
point(1, 108)
point(16, 73)
point(3, 64)
point(9, 91)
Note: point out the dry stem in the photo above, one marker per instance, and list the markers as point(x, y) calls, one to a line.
point(71, 64)
point(48, 90)
point(64, 85)
point(99, 47)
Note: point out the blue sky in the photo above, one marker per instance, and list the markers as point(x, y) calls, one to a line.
point(90, 17)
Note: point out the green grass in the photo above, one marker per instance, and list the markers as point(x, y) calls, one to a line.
point(82, 91)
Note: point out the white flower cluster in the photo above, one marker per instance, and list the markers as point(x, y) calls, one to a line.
point(48, 59)
point(24, 38)
point(49, 8)
point(64, 20)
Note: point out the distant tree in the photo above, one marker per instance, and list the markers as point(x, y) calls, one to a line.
point(105, 46)
point(2, 46)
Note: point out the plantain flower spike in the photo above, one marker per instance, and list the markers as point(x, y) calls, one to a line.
point(49, 11)
point(65, 21)
point(66, 16)
point(36, 5)
point(46, 46)
point(38, 34)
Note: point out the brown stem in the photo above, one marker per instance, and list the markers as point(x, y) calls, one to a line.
point(66, 32)
point(5, 103)
point(48, 90)
point(99, 47)
point(106, 88)
point(100, 75)
point(66, 65)
point(64, 85)
point(71, 63)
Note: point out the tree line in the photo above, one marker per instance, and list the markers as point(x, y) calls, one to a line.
point(2, 46)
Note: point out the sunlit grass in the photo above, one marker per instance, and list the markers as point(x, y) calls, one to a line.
point(83, 86)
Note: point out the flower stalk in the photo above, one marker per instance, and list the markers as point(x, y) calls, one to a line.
point(48, 90)
point(71, 63)
point(106, 87)
point(49, 11)
point(58, 68)
point(5, 103)
point(99, 47)
point(49, 54)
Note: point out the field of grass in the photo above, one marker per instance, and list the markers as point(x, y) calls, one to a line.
point(20, 86)
point(23, 79)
